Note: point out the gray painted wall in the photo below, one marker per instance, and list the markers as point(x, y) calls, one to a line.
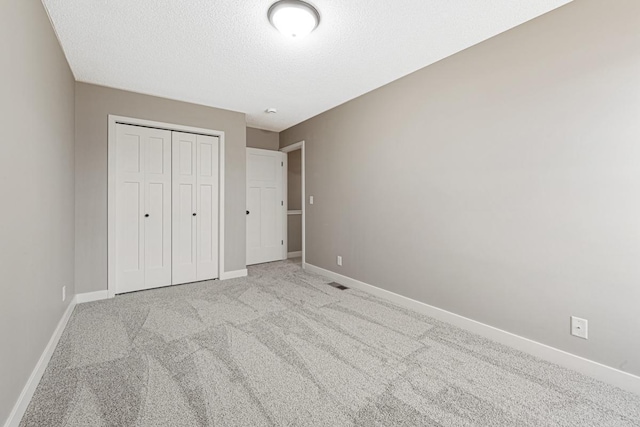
point(265, 139)
point(294, 180)
point(294, 233)
point(93, 105)
point(501, 183)
point(36, 188)
point(294, 200)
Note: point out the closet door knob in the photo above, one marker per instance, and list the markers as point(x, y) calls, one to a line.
point(146, 215)
point(194, 214)
point(248, 212)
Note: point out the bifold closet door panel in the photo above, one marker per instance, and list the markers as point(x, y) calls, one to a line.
point(184, 207)
point(158, 208)
point(129, 209)
point(143, 208)
point(207, 206)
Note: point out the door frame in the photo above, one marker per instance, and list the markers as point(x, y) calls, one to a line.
point(293, 147)
point(114, 120)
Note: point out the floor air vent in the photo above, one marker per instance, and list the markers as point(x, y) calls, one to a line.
point(338, 286)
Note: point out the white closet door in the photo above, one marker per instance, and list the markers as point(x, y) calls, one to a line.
point(130, 209)
point(157, 234)
point(207, 206)
point(265, 206)
point(184, 208)
point(143, 223)
point(195, 207)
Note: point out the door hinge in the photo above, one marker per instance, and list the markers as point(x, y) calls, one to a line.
point(281, 202)
point(282, 164)
point(282, 242)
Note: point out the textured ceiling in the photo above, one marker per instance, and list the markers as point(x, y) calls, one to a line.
point(224, 53)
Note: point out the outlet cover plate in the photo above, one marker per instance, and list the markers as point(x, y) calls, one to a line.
point(579, 327)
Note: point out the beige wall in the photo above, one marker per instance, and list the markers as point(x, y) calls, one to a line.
point(93, 105)
point(267, 140)
point(36, 187)
point(501, 184)
point(294, 200)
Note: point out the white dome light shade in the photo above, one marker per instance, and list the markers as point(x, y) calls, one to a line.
point(293, 18)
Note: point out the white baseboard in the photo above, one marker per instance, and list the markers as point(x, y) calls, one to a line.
point(233, 274)
point(91, 296)
point(295, 254)
point(621, 379)
point(34, 379)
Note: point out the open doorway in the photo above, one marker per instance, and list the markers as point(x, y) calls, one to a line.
point(295, 199)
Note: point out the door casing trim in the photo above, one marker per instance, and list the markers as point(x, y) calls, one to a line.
point(293, 147)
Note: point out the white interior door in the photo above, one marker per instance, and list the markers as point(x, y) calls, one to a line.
point(207, 183)
point(184, 208)
point(265, 206)
point(130, 206)
point(143, 205)
point(195, 207)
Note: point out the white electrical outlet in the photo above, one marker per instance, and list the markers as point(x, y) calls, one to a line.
point(64, 293)
point(310, 200)
point(339, 260)
point(579, 327)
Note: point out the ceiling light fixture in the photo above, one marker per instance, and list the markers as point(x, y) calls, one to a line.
point(293, 18)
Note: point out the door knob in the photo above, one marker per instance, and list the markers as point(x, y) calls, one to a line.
point(146, 215)
point(194, 214)
point(248, 212)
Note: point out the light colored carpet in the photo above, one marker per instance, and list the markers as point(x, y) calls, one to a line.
point(281, 347)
